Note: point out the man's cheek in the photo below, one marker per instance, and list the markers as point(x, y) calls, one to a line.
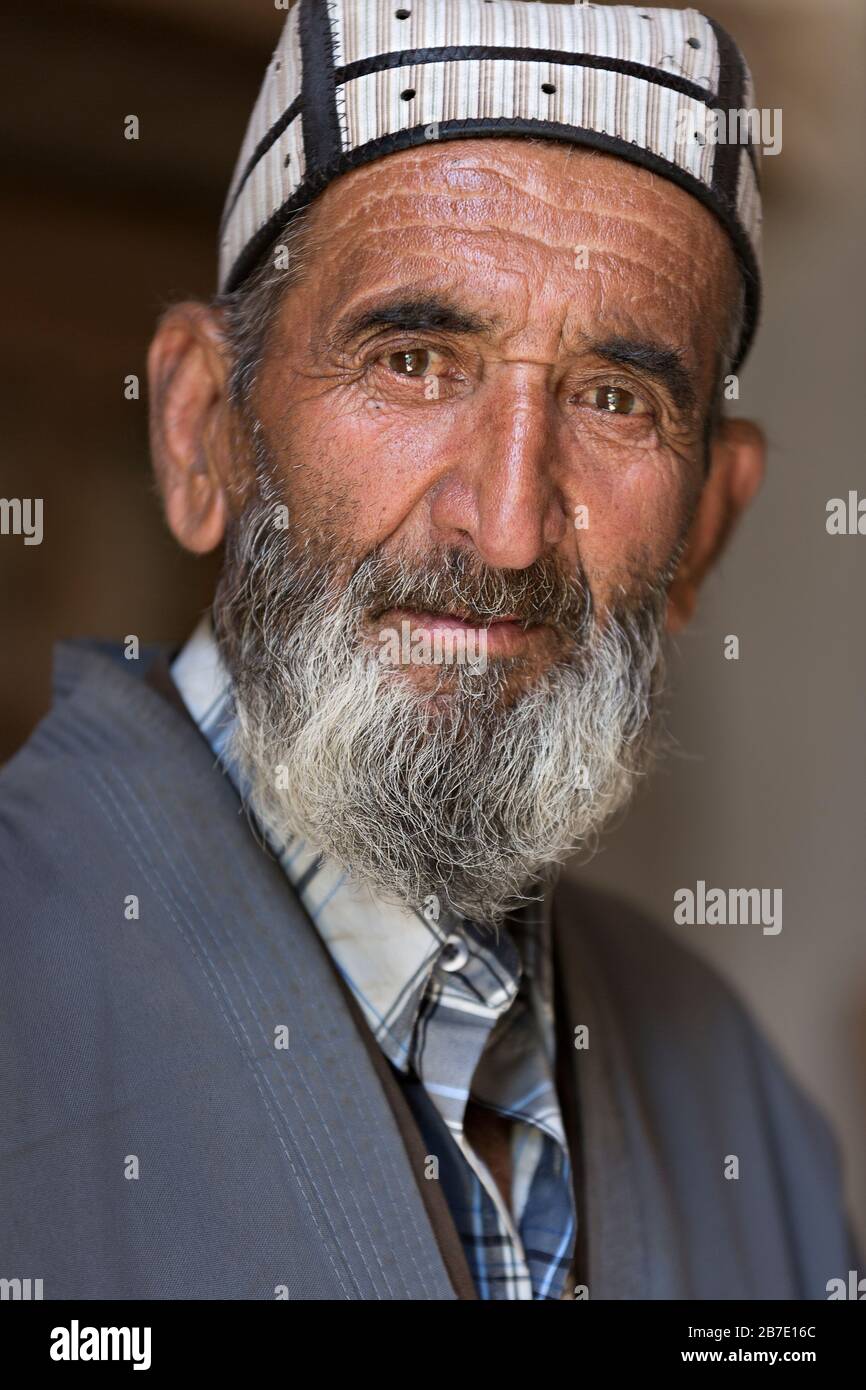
point(372, 483)
point(655, 498)
point(370, 443)
point(626, 543)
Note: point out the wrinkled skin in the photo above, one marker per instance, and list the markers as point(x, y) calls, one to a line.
point(516, 432)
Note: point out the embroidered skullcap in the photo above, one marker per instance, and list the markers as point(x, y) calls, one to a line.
point(352, 81)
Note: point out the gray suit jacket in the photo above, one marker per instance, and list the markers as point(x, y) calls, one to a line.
point(155, 1143)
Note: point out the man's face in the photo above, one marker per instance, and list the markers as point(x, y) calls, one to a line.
point(482, 407)
point(505, 349)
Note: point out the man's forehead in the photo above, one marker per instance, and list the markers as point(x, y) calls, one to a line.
point(546, 184)
point(497, 223)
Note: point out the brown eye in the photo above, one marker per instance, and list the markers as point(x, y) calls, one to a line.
point(413, 363)
point(614, 399)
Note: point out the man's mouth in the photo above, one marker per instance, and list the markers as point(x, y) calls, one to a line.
point(507, 635)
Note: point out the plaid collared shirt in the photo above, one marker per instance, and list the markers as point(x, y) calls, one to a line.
point(458, 1011)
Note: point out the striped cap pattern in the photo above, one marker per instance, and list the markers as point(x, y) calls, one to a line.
point(351, 81)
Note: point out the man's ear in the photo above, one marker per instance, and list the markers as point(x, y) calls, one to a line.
point(190, 424)
point(737, 455)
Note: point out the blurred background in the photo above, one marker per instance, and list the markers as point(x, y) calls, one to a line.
point(766, 789)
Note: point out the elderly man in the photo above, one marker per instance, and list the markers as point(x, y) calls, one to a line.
point(455, 419)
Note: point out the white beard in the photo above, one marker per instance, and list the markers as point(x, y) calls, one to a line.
point(470, 797)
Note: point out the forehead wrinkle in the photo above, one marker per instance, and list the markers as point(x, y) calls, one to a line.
point(366, 207)
point(689, 290)
point(383, 264)
point(620, 180)
point(529, 184)
point(530, 238)
point(370, 211)
point(660, 240)
point(463, 252)
point(615, 177)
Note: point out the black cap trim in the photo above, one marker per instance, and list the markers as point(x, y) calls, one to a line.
point(322, 140)
point(732, 86)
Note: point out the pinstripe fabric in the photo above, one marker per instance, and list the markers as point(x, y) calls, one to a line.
point(634, 81)
point(457, 1011)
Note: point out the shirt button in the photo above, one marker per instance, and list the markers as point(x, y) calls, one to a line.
point(454, 954)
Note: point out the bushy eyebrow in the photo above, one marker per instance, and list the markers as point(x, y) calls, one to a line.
point(417, 314)
point(437, 313)
point(657, 360)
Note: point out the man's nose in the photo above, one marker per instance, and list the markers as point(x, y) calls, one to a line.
point(503, 494)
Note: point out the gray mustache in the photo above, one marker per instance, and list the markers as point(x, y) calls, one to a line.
point(454, 582)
